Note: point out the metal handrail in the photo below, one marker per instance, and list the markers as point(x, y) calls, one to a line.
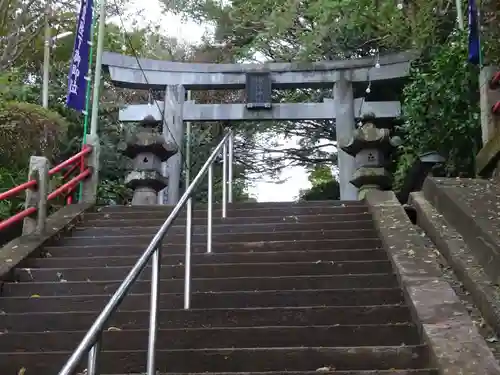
point(91, 343)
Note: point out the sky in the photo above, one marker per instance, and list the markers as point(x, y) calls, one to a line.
point(191, 32)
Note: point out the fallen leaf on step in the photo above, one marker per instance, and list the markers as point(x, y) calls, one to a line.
point(325, 369)
point(114, 329)
point(35, 296)
point(22, 371)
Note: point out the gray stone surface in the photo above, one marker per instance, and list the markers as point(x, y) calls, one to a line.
point(366, 136)
point(369, 145)
point(148, 142)
point(456, 345)
point(39, 170)
point(345, 124)
point(152, 179)
point(126, 72)
point(144, 196)
point(173, 131)
point(485, 293)
point(149, 150)
point(147, 161)
point(370, 157)
point(279, 111)
point(471, 206)
point(373, 176)
point(90, 185)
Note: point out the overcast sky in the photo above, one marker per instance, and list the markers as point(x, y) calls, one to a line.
point(192, 33)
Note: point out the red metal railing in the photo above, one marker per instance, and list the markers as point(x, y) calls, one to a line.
point(496, 108)
point(70, 185)
point(72, 160)
point(495, 81)
point(74, 163)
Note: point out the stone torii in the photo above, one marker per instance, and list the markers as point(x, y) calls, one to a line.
point(348, 80)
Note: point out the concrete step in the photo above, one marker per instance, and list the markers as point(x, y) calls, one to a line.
point(302, 282)
point(210, 338)
point(233, 360)
point(235, 206)
point(240, 299)
point(100, 220)
point(471, 206)
point(206, 271)
point(210, 258)
point(93, 250)
point(325, 371)
point(250, 317)
point(260, 211)
point(81, 240)
point(223, 228)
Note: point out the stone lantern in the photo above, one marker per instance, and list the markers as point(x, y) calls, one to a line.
point(369, 146)
point(147, 149)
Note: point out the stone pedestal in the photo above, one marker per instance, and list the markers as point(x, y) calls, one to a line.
point(369, 147)
point(148, 150)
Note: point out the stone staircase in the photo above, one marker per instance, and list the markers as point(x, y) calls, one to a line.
point(290, 289)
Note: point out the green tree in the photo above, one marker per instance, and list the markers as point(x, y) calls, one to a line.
point(324, 185)
point(20, 114)
point(440, 99)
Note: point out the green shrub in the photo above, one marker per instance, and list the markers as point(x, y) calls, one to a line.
point(441, 110)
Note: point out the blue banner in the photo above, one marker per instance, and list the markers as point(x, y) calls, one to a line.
point(79, 69)
point(474, 44)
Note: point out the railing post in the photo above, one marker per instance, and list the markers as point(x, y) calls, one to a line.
point(187, 276)
point(189, 209)
point(187, 266)
point(89, 190)
point(93, 359)
point(153, 313)
point(224, 180)
point(37, 196)
point(230, 167)
point(210, 207)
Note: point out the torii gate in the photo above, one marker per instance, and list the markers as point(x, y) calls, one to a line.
point(347, 78)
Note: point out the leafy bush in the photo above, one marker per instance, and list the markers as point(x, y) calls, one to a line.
point(441, 110)
point(28, 129)
point(9, 179)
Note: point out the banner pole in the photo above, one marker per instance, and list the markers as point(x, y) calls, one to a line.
point(98, 68)
point(87, 100)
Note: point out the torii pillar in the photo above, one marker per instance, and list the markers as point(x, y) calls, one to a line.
point(173, 131)
point(345, 125)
